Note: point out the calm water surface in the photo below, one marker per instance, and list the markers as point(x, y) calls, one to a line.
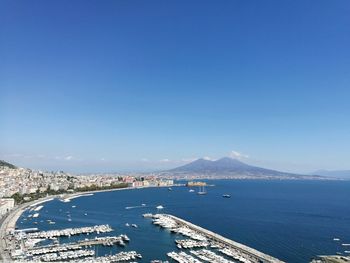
point(291, 220)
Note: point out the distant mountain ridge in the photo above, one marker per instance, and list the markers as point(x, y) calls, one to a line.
point(230, 167)
point(6, 164)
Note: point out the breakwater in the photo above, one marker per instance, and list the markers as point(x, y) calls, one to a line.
point(223, 245)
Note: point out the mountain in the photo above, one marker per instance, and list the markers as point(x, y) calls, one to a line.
point(230, 168)
point(341, 174)
point(6, 164)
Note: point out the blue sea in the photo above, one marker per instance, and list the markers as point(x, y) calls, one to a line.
point(291, 220)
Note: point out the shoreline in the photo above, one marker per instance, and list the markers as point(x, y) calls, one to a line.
point(9, 222)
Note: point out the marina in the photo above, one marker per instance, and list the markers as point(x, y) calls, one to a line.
point(71, 232)
point(154, 243)
point(200, 237)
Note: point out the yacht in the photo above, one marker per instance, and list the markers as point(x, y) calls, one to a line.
point(160, 207)
point(191, 190)
point(134, 225)
point(226, 196)
point(127, 224)
point(202, 191)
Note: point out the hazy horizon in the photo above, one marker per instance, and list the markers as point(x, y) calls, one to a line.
point(143, 86)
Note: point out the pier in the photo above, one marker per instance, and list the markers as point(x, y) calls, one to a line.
point(222, 245)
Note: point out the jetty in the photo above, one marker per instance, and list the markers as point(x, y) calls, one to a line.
point(70, 232)
point(204, 238)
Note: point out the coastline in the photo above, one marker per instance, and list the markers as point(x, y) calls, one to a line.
point(8, 223)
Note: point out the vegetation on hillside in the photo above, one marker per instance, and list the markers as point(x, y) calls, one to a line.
point(6, 164)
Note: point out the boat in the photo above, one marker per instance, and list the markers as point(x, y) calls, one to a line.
point(74, 206)
point(36, 215)
point(127, 224)
point(69, 219)
point(85, 214)
point(191, 190)
point(134, 225)
point(160, 207)
point(143, 204)
point(336, 239)
point(170, 189)
point(202, 191)
point(147, 215)
point(226, 196)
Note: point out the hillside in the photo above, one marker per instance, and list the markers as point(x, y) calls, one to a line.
point(6, 164)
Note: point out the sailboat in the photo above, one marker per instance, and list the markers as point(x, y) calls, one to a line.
point(202, 191)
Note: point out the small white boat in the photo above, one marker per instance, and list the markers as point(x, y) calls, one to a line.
point(85, 214)
point(336, 239)
point(191, 191)
point(143, 204)
point(134, 225)
point(74, 206)
point(69, 219)
point(127, 224)
point(160, 207)
point(202, 191)
point(226, 196)
point(36, 215)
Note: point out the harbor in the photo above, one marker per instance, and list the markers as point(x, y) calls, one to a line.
point(220, 247)
point(26, 246)
point(151, 239)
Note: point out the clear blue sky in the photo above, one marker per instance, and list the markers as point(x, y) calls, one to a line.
point(141, 85)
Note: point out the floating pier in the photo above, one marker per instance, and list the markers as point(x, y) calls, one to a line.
point(71, 232)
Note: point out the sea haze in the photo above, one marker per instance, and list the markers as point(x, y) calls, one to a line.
point(291, 220)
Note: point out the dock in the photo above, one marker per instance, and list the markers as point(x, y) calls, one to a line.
point(225, 246)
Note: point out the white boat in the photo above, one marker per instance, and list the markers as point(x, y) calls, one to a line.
point(74, 206)
point(202, 191)
point(127, 224)
point(36, 215)
point(134, 225)
point(69, 219)
point(85, 214)
point(160, 207)
point(143, 204)
point(191, 190)
point(336, 239)
point(226, 196)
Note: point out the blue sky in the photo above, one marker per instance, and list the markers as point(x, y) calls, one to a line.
point(141, 85)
